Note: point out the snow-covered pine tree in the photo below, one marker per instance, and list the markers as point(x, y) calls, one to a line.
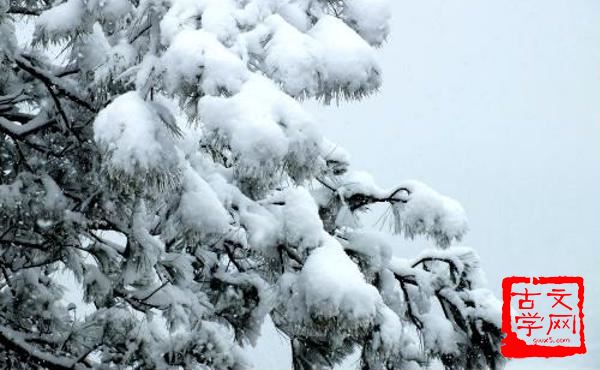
point(158, 151)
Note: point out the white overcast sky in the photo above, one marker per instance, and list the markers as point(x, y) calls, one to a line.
point(497, 104)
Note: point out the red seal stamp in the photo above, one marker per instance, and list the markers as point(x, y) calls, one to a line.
point(542, 316)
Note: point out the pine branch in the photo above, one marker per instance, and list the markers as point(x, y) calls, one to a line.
point(10, 98)
point(13, 115)
point(22, 10)
point(231, 255)
point(403, 280)
point(292, 254)
point(13, 340)
point(155, 291)
point(358, 200)
point(51, 80)
point(451, 264)
point(39, 264)
point(20, 131)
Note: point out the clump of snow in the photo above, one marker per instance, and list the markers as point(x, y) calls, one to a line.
point(439, 335)
point(8, 40)
point(390, 291)
point(385, 340)
point(183, 308)
point(182, 14)
point(487, 306)
point(331, 285)
point(265, 130)
point(109, 10)
point(370, 18)
point(224, 353)
point(296, 14)
point(54, 197)
point(390, 331)
point(330, 60)
point(350, 68)
point(375, 246)
point(262, 227)
point(197, 61)
point(94, 49)
point(292, 58)
point(336, 157)
point(255, 11)
point(10, 194)
point(259, 227)
point(219, 18)
point(429, 213)
point(199, 208)
point(134, 137)
point(261, 306)
point(74, 17)
point(302, 226)
point(144, 251)
point(108, 62)
point(60, 20)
